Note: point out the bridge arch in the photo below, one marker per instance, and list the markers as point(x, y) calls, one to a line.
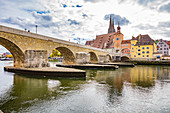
point(110, 57)
point(93, 57)
point(125, 58)
point(18, 54)
point(68, 55)
point(125, 49)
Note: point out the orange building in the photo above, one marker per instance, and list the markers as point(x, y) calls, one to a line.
point(126, 46)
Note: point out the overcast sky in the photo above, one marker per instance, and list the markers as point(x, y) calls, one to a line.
point(72, 19)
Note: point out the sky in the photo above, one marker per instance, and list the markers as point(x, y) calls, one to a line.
point(84, 19)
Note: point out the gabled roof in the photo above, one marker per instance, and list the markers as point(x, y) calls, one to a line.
point(126, 42)
point(104, 41)
point(144, 40)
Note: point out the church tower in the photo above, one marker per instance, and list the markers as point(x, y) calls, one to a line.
point(111, 26)
point(118, 28)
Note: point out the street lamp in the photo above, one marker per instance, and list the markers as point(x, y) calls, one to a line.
point(36, 28)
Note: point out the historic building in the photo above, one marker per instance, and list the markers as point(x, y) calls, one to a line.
point(126, 46)
point(110, 41)
point(143, 47)
point(89, 43)
point(163, 47)
point(168, 42)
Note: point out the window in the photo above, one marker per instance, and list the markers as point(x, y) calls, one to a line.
point(160, 48)
point(138, 53)
point(143, 47)
point(138, 46)
point(132, 47)
point(134, 55)
point(147, 47)
point(132, 44)
point(164, 45)
point(143, 56)
point(117, 38)
point(138, 49)
point(164, 48)
point(157, 48)
point(147, 51)
point(143, 51)
point(123, 44)
point(127, 44)
point(147, 55)
point(167, 48)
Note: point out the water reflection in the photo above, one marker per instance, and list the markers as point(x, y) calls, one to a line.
point(102, 90)
point(27, 90)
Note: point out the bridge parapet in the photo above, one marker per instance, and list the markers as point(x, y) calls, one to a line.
point(47, 38)
point(19, 42)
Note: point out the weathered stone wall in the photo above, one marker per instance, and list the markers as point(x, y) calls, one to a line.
point(18, 41)
point(36, 58)
point(103, 59)
point(82, 58)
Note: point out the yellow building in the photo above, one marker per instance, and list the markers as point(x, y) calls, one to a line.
point(143, 47)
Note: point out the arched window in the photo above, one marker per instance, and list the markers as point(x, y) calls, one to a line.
point(117, 38)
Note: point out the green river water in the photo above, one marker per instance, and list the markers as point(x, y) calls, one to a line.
point(139, 89)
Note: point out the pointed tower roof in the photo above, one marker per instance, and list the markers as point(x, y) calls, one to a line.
point(111, 26)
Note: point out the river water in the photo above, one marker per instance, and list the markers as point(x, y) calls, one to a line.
point(141, 89)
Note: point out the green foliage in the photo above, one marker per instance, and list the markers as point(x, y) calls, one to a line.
point(55, 53)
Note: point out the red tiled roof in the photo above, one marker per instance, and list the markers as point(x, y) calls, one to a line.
point(126, 42)
point(89, 42)
point(104, 41)
point(168, 42)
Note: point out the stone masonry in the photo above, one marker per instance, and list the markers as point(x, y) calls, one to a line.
point(103, 59)
point(82, 58)
point(36, 58)
point(32, 50)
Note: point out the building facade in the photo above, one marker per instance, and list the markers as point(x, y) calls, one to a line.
point(126, 46)
point(143, 47)
point(111, 41)
point(163, 47)
point(168, 42)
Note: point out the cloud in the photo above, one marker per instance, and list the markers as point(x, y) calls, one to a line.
point(144, 27)
point(161, 29)
point(73, 22)
point(164, 24)
point(94, 1)
point(152, 4)
point(122, 20)
point(22, 22)
point(165, 8)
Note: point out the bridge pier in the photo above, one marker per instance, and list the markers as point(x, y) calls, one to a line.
point(36, 58)
point(103, 59)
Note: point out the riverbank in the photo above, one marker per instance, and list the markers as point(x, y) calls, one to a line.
point(120, 64)
point(150, 62)
point(47, 71)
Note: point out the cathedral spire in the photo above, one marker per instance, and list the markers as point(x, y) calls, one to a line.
point(111, 26)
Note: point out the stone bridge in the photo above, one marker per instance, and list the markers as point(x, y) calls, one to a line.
point(28, 48)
